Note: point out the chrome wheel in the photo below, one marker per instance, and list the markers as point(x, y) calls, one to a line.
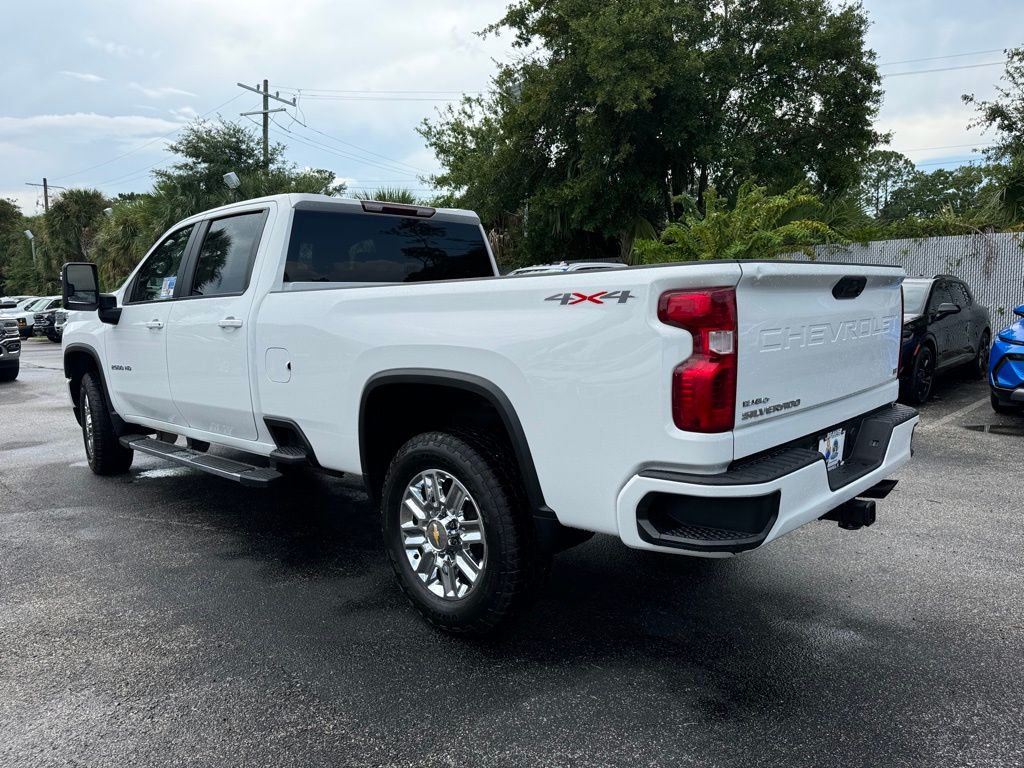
point(88, 428)
point(443, 534)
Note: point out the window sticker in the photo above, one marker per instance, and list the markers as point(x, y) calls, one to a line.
point(167, 289)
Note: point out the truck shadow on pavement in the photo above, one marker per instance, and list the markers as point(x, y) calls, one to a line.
point(717, 638)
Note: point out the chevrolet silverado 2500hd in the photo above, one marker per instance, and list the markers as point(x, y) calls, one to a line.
point(701, 409)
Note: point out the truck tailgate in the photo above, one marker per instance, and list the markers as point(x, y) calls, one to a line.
point(818, 344)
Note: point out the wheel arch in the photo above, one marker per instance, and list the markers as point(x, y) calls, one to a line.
point(393, 386)
point(80, 359)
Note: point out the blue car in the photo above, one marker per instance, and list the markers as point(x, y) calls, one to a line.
point(1006, 367)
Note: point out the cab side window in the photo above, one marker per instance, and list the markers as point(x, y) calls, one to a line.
point(961, 295)
point(157, 276)
point(227, 255)
point(940, 295)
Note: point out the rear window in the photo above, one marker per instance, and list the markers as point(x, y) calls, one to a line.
point(337, 247)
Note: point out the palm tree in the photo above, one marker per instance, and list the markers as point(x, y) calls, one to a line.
point(389, 195)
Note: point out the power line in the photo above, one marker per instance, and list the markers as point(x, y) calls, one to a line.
point(133, 174)
point(946, 146)
point(960, 161)
point(392, 165)
point(305, 124)
point(314, 144)
point(943, 69)
point(372, 91)
point(148, 143)
point(947, 56)
point(363, 149)
point(332, 97)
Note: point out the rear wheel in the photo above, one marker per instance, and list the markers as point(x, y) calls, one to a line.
point(919, 387)
point(458, 532)
point(980, 366)
point(106, 455)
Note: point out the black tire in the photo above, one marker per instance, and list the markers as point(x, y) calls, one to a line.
point(514, 563)
point(918, 387)
point(979, 368)
point(10, 372)
point(1007, 410)
point(105, 454)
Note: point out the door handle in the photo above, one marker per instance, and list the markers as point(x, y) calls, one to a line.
point(230, 322)
point(155, 324)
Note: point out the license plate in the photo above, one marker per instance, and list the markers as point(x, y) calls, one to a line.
point(831, 447)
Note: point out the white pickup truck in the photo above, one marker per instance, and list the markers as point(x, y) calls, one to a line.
point(700, 409)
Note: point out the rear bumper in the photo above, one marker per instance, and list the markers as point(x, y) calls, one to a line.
point(756, 501)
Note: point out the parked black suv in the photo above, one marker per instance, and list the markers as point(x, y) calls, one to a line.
point(45, 325)
point(943, 327)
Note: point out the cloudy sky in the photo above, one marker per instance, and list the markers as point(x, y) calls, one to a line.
point(93, 91)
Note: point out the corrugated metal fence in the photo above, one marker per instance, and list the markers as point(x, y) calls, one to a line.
point(993, 265)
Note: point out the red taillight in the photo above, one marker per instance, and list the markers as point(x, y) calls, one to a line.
point(704, 385)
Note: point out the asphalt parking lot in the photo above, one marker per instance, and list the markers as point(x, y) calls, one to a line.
point(172, 618)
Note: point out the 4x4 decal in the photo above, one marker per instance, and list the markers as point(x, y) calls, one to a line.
point(601, 297)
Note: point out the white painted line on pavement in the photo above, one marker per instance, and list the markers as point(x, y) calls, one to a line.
point(955, 414)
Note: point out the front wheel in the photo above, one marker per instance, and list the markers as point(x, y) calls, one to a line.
point(106, 455)
point(980, 367)
point(458, 532)
point(10, 372)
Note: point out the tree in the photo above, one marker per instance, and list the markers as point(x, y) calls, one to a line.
point(1001, 200)
point(927, 194)
point(389, 195)
point(883, 173)
point(209, 151)
point(613, 110)
point(72, 223)
point(11, 250)
point(195, 183)
point(1005, 113)
point(760, 225)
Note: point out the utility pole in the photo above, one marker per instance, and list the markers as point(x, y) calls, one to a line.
point(46, 193)
point(267, 96)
